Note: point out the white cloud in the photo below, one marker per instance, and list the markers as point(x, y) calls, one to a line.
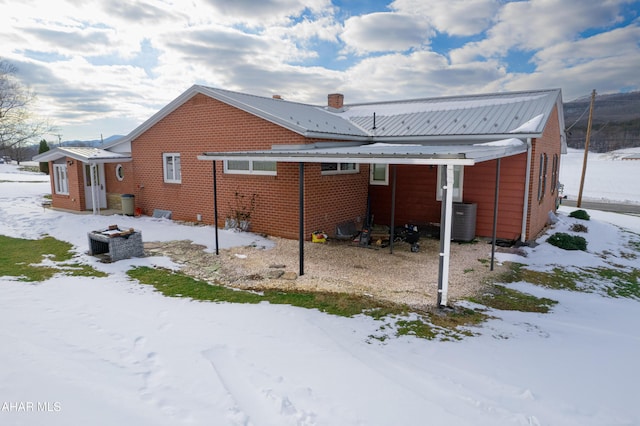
point(385, 32)
point(420, 74)
point(265, 13)
point(93, 61)
point(605, 62)
point(537, 24)
point(453, 17)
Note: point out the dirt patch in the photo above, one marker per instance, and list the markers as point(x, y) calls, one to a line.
point(402, 277)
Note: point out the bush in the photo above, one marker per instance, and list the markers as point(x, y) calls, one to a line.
point(580, 214)
point(567, 242)
point(578, 227)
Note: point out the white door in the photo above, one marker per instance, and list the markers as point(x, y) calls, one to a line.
point(99, 193)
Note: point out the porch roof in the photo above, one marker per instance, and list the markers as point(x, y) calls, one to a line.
point(84, 154)
point(381, 153)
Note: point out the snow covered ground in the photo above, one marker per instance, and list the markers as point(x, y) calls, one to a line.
point(105, 351)
point(608, 178)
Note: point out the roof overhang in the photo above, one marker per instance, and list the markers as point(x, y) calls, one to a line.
point(382, 153)
point(86, 155)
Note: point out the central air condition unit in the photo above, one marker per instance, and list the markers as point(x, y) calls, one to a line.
point(463, 226)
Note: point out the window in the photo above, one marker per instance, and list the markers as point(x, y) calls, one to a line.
point(542, 177)
point(458, 174)
point(554, 173)
point(171, 165)
point(379, 174)
point(250, 167)
point(337, 168)
point(119, 172)
point(87, 175)
point(60, 180)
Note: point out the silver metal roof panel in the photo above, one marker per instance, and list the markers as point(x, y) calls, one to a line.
point(84, 154)
point(499, 113)
point(383, 153)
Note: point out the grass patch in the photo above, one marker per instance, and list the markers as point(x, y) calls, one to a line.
point(614, 282)
point(559, 278)
point(22, 258)
point(622, 283)
point(177, 284)
point(398, 319)
point(507, 299)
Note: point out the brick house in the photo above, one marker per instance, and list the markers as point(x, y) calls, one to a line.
point(354, 156)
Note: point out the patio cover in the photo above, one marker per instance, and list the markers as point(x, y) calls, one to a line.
point(446, 154)
point(454, 153)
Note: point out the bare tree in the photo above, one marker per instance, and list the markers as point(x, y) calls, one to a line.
point(18, 125)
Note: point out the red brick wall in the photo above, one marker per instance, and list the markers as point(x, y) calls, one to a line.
point(75, 200)
point(203, 124)
point(332, 199)
point(548, 144)
point(115, 187)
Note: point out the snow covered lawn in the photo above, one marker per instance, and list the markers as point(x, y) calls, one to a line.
point(105, 351)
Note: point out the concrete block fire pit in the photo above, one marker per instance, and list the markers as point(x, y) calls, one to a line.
point(113, 244)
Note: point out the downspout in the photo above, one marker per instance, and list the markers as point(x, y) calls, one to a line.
point(527, 180)
point(301, 217)
point(446, 217)
point(215, 206)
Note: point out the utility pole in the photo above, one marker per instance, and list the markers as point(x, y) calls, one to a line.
point(586, 149)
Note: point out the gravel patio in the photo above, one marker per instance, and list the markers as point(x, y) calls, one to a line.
point(341, 266)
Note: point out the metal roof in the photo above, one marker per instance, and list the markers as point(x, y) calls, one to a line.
point(305, 119)
point(462, 118)
point(84, 154)
point(519, 113)
point(515, 113)
point(382, 153)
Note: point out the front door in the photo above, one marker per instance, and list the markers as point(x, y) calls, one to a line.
point(94, 190)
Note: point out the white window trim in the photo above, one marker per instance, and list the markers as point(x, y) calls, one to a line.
point(250, 171)
point(119, 172)
point(60, 179)
point(456, 197)
point(164, 167)
point(340, 171)
point(372, 181)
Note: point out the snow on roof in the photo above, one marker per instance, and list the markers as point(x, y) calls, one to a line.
point(530, 126)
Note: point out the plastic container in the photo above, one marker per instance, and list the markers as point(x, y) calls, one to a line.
point(128, 204)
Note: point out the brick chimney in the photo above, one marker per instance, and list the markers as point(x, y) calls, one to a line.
point(336, 100)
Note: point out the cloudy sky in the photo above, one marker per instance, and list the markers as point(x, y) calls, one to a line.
point(105, 66)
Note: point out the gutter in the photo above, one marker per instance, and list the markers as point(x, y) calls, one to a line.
point(527, 180)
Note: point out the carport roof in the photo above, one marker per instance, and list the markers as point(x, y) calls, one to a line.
point(381, 153)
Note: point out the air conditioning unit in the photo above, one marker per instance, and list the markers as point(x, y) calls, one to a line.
point(463, 226)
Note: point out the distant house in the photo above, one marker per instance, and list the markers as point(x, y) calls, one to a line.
point(354, 158)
